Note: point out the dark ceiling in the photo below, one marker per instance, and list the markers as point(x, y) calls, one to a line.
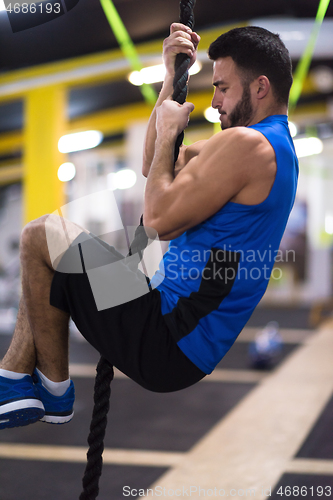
point(85, 30)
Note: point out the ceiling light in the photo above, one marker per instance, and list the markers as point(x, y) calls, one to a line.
point(329, 224)
point(123, 179)
point(212, 115)
point(308, 146)
point(154, 74)
point(79, 141)
point(292, 129)
point(66, 172)
point(292, 35)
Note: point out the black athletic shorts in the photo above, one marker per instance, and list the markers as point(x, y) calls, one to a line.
point(132, 336)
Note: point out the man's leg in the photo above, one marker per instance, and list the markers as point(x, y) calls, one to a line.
point(41, 333)
point(21, 355)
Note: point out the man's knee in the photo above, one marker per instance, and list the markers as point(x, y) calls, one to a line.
point(44, 236)
point(34, 232)
point(53, 235)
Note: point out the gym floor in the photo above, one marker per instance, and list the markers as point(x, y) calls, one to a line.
point(240, 433)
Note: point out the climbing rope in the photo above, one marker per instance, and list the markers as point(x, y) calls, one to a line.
point(104, 376)
point(102, 392)
point(182, 66)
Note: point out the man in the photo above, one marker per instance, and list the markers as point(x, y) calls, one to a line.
point(224, 207)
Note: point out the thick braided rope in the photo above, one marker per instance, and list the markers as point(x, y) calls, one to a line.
point(179, 95)
point(104, 375)
point(98, 424)
point(181, 65)
point(139, 242)
point(137, 247)
point(102, 393)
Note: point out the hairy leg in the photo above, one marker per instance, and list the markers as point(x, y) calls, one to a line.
point(21, 355)
point(41, 334)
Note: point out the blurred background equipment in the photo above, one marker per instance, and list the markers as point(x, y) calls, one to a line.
point(266, 348)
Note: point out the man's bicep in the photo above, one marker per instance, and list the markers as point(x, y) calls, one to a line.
point(197, 193)
point(205, 184)
point(218, 171)
point(181, 160)
point(187, 153)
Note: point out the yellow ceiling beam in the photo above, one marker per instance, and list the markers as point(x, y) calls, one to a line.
point(310, 113)
point(108, 65)
point(109, 122)
point(10, 143)
point(116, 120)
point(11, 173)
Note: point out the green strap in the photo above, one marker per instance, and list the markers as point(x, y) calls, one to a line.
point(305, 61)
point(127, 46)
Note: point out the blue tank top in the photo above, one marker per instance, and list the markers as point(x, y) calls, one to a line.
point(213, 276)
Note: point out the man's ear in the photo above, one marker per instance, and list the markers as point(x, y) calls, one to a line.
point(262, 86)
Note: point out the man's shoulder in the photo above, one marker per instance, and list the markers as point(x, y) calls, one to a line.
point(234, 134)
point(244, 157)
point(244, 137)
point(239, 143)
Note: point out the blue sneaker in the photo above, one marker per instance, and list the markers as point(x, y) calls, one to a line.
point(58, 409)
point(19, 402)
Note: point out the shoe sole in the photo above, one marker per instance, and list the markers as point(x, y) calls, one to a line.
point(50, 403)
point(21, 413)
point(53, 419)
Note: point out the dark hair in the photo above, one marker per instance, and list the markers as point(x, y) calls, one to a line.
point(256, 51)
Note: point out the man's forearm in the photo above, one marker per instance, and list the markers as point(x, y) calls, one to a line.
point(162, 189)
point(150, 139)
point(161, 176)
point(181, 40)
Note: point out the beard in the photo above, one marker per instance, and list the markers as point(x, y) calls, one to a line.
point(242, 113)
